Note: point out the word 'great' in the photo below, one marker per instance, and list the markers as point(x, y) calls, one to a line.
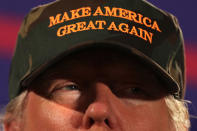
point(100, 24)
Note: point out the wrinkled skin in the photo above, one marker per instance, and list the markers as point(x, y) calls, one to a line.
point(96, 91)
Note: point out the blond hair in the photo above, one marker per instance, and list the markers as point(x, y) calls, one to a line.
point(179, 114)
point(14, 109)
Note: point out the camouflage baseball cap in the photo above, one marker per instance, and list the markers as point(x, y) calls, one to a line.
point(56, 29)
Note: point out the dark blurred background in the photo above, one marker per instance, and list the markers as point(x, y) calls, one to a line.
point(13, 11)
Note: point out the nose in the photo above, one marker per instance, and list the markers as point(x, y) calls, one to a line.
point(99, 112)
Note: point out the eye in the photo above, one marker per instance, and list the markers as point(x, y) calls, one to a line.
point(131, 91)
point(65, 93)
point(62, 86)
point(135, 90)
point(70, 87)
point(66, 87)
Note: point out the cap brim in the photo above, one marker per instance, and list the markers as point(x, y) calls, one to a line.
point(172, 85)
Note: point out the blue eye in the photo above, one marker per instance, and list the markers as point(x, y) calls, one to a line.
point(70, 87)
point(66, 86)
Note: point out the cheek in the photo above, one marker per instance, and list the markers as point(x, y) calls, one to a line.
point(42, 114)
point(146, 116)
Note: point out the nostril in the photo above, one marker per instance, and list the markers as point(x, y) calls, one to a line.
point(107, 122)
point(91, 121)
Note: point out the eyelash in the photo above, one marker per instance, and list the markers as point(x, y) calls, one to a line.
point(136, 90)
point(70, 86)
point(131, 91)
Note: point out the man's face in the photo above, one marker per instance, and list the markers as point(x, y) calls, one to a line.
point(97, 91)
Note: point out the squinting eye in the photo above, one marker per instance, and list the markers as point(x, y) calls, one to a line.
point(132, 92)
point(70, 87)
point(66, 93)
point(135, 90)
point(67, 86)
